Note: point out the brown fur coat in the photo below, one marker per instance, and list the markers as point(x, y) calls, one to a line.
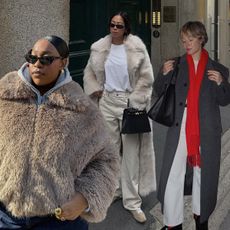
point(50, 151)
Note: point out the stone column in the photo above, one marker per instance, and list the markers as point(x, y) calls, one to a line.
point(224, 32)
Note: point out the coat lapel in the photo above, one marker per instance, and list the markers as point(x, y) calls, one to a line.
point(206, 81)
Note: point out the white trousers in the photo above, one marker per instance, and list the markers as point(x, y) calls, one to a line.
point(112, 106)
point(174, 193)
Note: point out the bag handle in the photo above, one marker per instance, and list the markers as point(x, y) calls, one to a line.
point(175, 71)
point(128, 103)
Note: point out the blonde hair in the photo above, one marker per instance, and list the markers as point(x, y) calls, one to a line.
point(196, 29)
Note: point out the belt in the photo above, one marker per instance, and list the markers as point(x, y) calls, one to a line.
point(116, 93)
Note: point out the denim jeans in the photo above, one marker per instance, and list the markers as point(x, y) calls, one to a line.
point(7, 221)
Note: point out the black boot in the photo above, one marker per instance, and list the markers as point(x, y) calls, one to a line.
point(200, 226)
point(178, 227)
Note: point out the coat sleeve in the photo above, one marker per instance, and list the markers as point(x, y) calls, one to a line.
point(90, 82)
point(99, 177)
point(223, 90)
point(140, 97)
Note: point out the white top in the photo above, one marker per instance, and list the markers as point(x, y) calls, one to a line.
point(196, 64)
point(116, 70)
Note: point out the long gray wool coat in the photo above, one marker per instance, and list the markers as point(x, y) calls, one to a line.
point(51, 151)
point(141, 79)
point(211, 97)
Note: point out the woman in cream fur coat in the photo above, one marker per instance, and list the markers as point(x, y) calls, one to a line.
point(119, 70)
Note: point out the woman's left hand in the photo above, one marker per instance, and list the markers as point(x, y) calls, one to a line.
point(214, 75)
point(73, 208)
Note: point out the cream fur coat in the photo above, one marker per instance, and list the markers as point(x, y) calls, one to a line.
point(50, 151)
point(141, 80)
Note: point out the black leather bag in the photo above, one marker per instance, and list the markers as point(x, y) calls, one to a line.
point(163, 110)
point(135, 121)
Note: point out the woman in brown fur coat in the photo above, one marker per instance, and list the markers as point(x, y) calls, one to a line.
point(55, 151)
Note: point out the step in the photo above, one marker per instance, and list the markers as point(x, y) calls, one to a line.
point(220, 213)
point(225, 143)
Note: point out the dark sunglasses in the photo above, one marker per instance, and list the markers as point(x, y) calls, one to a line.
point(44, 60)
point(118, 26)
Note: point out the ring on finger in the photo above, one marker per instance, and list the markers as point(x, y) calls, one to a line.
point(58, 212)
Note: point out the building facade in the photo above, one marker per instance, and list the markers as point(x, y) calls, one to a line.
point(24, 21)
point(81, 22)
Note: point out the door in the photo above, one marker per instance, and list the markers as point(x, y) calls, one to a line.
point(88, 23)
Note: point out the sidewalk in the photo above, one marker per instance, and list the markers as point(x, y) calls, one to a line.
point(120, 219)
point(219, 220)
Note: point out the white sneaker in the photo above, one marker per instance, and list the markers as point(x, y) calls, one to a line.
point(138, 215)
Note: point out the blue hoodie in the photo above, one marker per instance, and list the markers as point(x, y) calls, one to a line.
point(63, 79)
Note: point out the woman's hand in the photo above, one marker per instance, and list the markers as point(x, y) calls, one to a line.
point(214, 75)
point(73, 209)
point(97, 94)
point(168, 66)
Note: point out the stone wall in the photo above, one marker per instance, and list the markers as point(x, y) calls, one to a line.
point(22, 22)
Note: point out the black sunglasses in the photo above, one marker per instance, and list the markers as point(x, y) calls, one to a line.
point(44, 60)
point(118, 26)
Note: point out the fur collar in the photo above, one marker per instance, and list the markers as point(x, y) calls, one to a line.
point(132, 42)
point(69, 96)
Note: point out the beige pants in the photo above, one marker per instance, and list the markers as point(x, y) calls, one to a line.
point(174, 193)
point(112, 106)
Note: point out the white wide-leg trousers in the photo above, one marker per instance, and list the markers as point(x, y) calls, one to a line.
point(112, 106)
point(174, 193)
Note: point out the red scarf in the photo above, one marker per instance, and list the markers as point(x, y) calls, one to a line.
point(192, 122)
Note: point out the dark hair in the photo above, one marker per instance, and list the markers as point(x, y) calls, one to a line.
point(196, 29)
point(126, 20)
point(59, 44)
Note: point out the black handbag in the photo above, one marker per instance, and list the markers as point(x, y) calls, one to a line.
point(135, 121)
point(163, 110)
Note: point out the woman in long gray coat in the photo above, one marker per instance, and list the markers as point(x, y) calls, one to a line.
point(193, 145)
